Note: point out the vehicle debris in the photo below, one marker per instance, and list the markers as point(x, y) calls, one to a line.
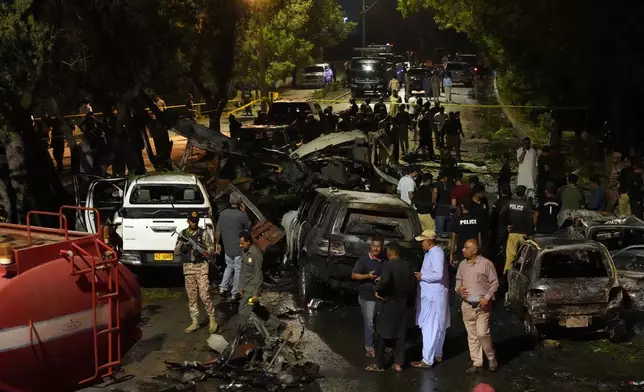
point(255, 359)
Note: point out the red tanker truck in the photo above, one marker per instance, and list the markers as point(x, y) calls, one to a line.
point(68, 309)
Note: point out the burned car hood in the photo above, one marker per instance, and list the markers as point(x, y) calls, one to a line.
point(326, 141)
point(203, 137)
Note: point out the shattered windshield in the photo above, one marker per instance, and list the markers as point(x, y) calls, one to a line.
point(616, 239)
point(573, 264)
point(166, 194)
point(366, 222)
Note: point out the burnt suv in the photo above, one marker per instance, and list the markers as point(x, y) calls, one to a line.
point(570, 283)
point(333, 228)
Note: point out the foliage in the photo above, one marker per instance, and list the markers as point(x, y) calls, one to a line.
point(327, 26)
point(291, 30)
point(557, 52)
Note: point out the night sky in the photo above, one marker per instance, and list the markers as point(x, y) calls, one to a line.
point(418, 33)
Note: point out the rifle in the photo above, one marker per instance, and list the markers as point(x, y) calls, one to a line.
point(192, 242)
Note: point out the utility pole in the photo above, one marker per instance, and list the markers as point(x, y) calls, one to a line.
point(365, 9)
point(364, 23)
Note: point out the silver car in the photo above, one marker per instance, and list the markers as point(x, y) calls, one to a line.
point(569, 283)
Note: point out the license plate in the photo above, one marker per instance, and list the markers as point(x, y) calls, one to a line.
point(577, 322)
point(163, 257)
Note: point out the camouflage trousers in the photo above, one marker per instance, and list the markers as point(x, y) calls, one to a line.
point(197, 285)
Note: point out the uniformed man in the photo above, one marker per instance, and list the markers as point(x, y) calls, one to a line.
point(517, 216)
point(465, 227)
point(481, 211)
point(252, 278)
point(546, 216)
point(195, 270)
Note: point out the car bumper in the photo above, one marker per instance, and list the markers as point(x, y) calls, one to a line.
point(310, 83)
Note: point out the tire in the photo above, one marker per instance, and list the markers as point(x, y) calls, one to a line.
point(531, 330)
point(617, 331)
point(307, 285)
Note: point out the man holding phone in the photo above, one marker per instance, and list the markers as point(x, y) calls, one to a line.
point(367, 270)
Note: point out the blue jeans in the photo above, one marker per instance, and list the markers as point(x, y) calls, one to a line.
point(368, 308)
point(443, 223)
point(232, 274)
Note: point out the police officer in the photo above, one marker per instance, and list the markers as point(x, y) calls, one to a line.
point(465, 227)
point(251, 281)
point(195, 270)
point(517, 216)
point(547, 211)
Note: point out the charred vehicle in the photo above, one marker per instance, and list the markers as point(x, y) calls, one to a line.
point(570, 283)
point(624, 239)
point(333, 228)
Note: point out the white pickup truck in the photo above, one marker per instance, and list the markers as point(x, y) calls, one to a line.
point(146, 211)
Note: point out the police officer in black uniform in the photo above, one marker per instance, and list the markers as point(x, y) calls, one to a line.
point(517, 216)
point(464, 227)
point(547, 211)
point(481, 211)
point(499, 230)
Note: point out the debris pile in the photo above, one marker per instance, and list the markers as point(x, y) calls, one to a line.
point(255, 359)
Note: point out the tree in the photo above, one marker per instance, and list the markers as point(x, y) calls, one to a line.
point(556, 52)
point(26, 170)
point(327, 26)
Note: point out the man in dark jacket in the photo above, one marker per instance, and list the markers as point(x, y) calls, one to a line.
point(395, 286)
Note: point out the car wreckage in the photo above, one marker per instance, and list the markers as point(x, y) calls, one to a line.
point(624, 239)
point(570, 283)
point(333, 228)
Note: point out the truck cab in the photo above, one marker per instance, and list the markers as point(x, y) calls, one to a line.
point(145, 212)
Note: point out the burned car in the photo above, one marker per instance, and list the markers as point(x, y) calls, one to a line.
point(624, 239)
point(333, 228)
point(571, 283)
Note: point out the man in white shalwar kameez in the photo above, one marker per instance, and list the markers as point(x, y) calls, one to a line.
point(432, 307)
point(527, 157)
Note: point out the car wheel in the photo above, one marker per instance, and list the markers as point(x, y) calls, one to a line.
point(530, 329)
point(308, 286)
point(617, 332)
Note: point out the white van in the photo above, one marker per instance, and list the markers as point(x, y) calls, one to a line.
point(147, 211)
point(317, 75)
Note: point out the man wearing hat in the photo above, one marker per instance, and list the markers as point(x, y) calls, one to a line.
point(195, 270)
point(432, 306)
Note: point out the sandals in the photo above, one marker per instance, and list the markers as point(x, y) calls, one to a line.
point(397, 368)
point(371, 353)
point(420, 365)
point(374, 368)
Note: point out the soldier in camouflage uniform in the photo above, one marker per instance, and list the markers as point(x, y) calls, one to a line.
point(251, 281)
point(195, 270)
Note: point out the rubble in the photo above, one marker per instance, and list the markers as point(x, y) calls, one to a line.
point(255, 359)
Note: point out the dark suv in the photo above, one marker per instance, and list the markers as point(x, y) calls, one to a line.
point(333, 228)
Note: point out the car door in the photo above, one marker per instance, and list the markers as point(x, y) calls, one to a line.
point(106, 196)
point(315, 234)
point(516, 279)
point(306, 224)
point(524, 277)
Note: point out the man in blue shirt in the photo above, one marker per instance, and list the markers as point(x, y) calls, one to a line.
point(597, 195)
point(367, 270)
point(432, 308)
